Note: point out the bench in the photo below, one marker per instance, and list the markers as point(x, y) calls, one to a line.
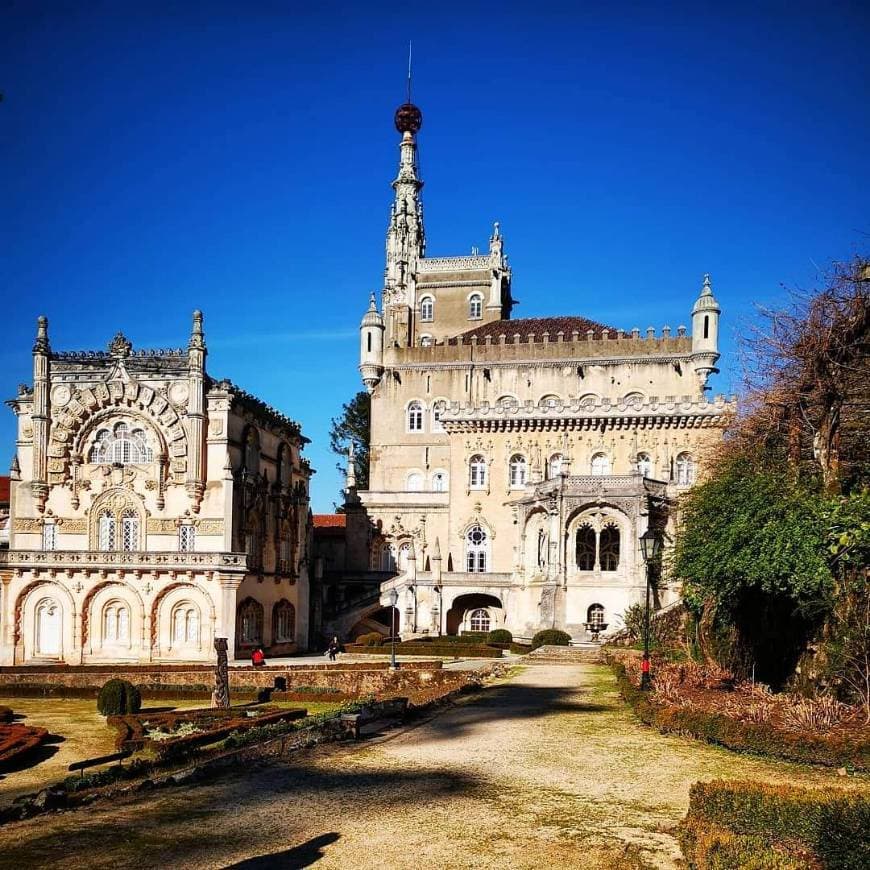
point(103, 759)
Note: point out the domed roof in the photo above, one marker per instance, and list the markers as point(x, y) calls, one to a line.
point(706, 301)
point(372, 317)
point(409, 119)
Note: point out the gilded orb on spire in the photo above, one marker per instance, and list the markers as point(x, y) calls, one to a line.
point(409, 118)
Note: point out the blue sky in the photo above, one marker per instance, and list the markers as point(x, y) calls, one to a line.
point(236, 157)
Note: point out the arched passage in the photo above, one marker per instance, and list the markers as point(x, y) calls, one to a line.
point(485, 610)
point(380, 621)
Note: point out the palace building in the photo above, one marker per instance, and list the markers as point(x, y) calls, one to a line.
point(153, 509)
point(515, 463)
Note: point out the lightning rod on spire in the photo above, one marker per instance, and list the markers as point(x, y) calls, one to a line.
point(409, 70)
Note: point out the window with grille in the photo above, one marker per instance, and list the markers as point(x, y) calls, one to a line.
point(477, 472)
point(476, 550)
point(284, 622)
point(415, 417)
point(121, 445)
point(517, 471)
point(107, 532)
point(479, 620)
point(595, 615)
point(49, 536)
point(608, 548)
point(475, 307)
point(186, 538)
point(129, 531)
point(586, 548)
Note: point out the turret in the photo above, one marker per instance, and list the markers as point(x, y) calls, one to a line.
point(41, 413)
point(705, 333)
point(371, 348)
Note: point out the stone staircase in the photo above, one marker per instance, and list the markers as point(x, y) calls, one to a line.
point(584, 653)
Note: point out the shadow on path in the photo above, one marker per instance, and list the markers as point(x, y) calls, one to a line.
point(296, 858)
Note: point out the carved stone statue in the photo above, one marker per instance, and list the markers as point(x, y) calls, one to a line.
point(221, 695)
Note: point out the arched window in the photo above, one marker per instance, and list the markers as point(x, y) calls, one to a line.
point(251, 446)
point(285, 465)
point(404, 557)
point(554, 466)
point(107, 532)
point(517, 471)
point(477, 472)
point(685, 469)
point(479, 620)
point(644, 464)
point(595, 615)
point(121, 445)
point(425, 341)
point(250, 622)
point(438, 408)
point(49, 536)
point(415, 482)
point(49, 627)
point(600, 465)
point(185, 624)
point(129, 530)
point(439, 481)
point(116, 623)
point(608, 548)
point(586, 548)
point(384, 559)
point(427, 309)
point(476, 550)
point(415, 417)
point(186, 538)
point(284, 622)
point(475, 306)
point(253, 543)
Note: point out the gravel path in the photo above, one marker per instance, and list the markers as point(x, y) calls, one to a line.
point(548, 769)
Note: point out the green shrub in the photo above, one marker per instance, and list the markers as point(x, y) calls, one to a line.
point(370, 639)
point(118, 698)
point(551, 637)
point(832, 825)
point(500, 635)
point(520, 649)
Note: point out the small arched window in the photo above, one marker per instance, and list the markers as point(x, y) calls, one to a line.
point(644, 464)
point(609, 548)
point(477, 472)
point(425, 341)
point(427, 309)
point(586, 548)
point(415, 417)
point(475, 306)
point(517, 471)
point(415, 482)
point(129, 530)
point(439, 481)
point(250, 622)
point(685, 469)
point(404, 556)
point(49, 628)
point(479, 620)
point(284, 622)
point(476, 550)
point(595, 615)
point(185, 624)
point(438, 409)
point(600, 465)
point(116, 623)
point(554, 466)
point(107, 532)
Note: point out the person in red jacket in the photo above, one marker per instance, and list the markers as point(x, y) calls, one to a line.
point(258, 657)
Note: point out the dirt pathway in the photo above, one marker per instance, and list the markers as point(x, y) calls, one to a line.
point(546, 770)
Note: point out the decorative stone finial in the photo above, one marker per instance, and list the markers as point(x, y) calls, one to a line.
point(436, 550)
point(15, 468)
point(707, 290)
point(350, 483)
point(120, 346)
point(197, 339)
point(41, 344)
point(409, 119)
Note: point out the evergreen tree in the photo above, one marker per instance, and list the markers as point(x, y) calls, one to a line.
point(353, 426)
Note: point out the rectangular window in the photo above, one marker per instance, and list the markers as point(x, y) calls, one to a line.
point(107, 533)
point(129, 534)
point(49, 536)
point(186, 538)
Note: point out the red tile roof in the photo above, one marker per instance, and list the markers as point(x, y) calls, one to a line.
point(537, 326)
point(330, 521)
point(4, 490)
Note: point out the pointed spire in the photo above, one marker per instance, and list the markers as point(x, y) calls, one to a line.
point(197, 338)
point(228, 468)
point(707, 289)
point(436, 551)
point(41, 344)
point(15, 468)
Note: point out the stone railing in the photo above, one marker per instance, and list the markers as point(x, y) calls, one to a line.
point(94, 560)
point(453, 264)
point(582, 483)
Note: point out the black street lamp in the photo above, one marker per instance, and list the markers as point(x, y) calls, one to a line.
point(650, 547)
point(394, 598)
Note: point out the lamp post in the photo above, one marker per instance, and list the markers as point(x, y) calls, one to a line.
point(394, 598)
point(650, 547)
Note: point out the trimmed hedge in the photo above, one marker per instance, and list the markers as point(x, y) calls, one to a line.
point(500, 635)
point(521, 649)
point(760, 738)
point(551, 637)
point(826, 827)
point(118, 698)
point(428, 648)
point(709, 847)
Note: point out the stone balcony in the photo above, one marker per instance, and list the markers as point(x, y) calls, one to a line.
point(594, 484)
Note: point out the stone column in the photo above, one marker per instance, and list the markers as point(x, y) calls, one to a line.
point(226, 609)
point(41, 416)
point(196, 351)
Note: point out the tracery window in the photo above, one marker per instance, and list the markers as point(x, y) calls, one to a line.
point(554, 466)
point(476, 550)
point(427, 309)
point(185, 624)
point(475, 306)
point(129, 530)
point(121, 445)
point(477, 472)
point(517, 471)
point(284, 622)
point(608, 548)
point(186, 538)
point(116, 623)
point(479, 620)
point(250, 622)
point(644, 464)
point(415, 417)
point(586, 545)
point(685, 469)
point(404, 556)
point(600, 465)
point(49, 536)
point(107, 532)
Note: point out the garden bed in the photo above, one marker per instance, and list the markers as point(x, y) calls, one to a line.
point(708, 704)
point(16, 740)
point(429, 648)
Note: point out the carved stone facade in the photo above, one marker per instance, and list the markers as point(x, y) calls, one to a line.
point(515, 463)
point(154, 510)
